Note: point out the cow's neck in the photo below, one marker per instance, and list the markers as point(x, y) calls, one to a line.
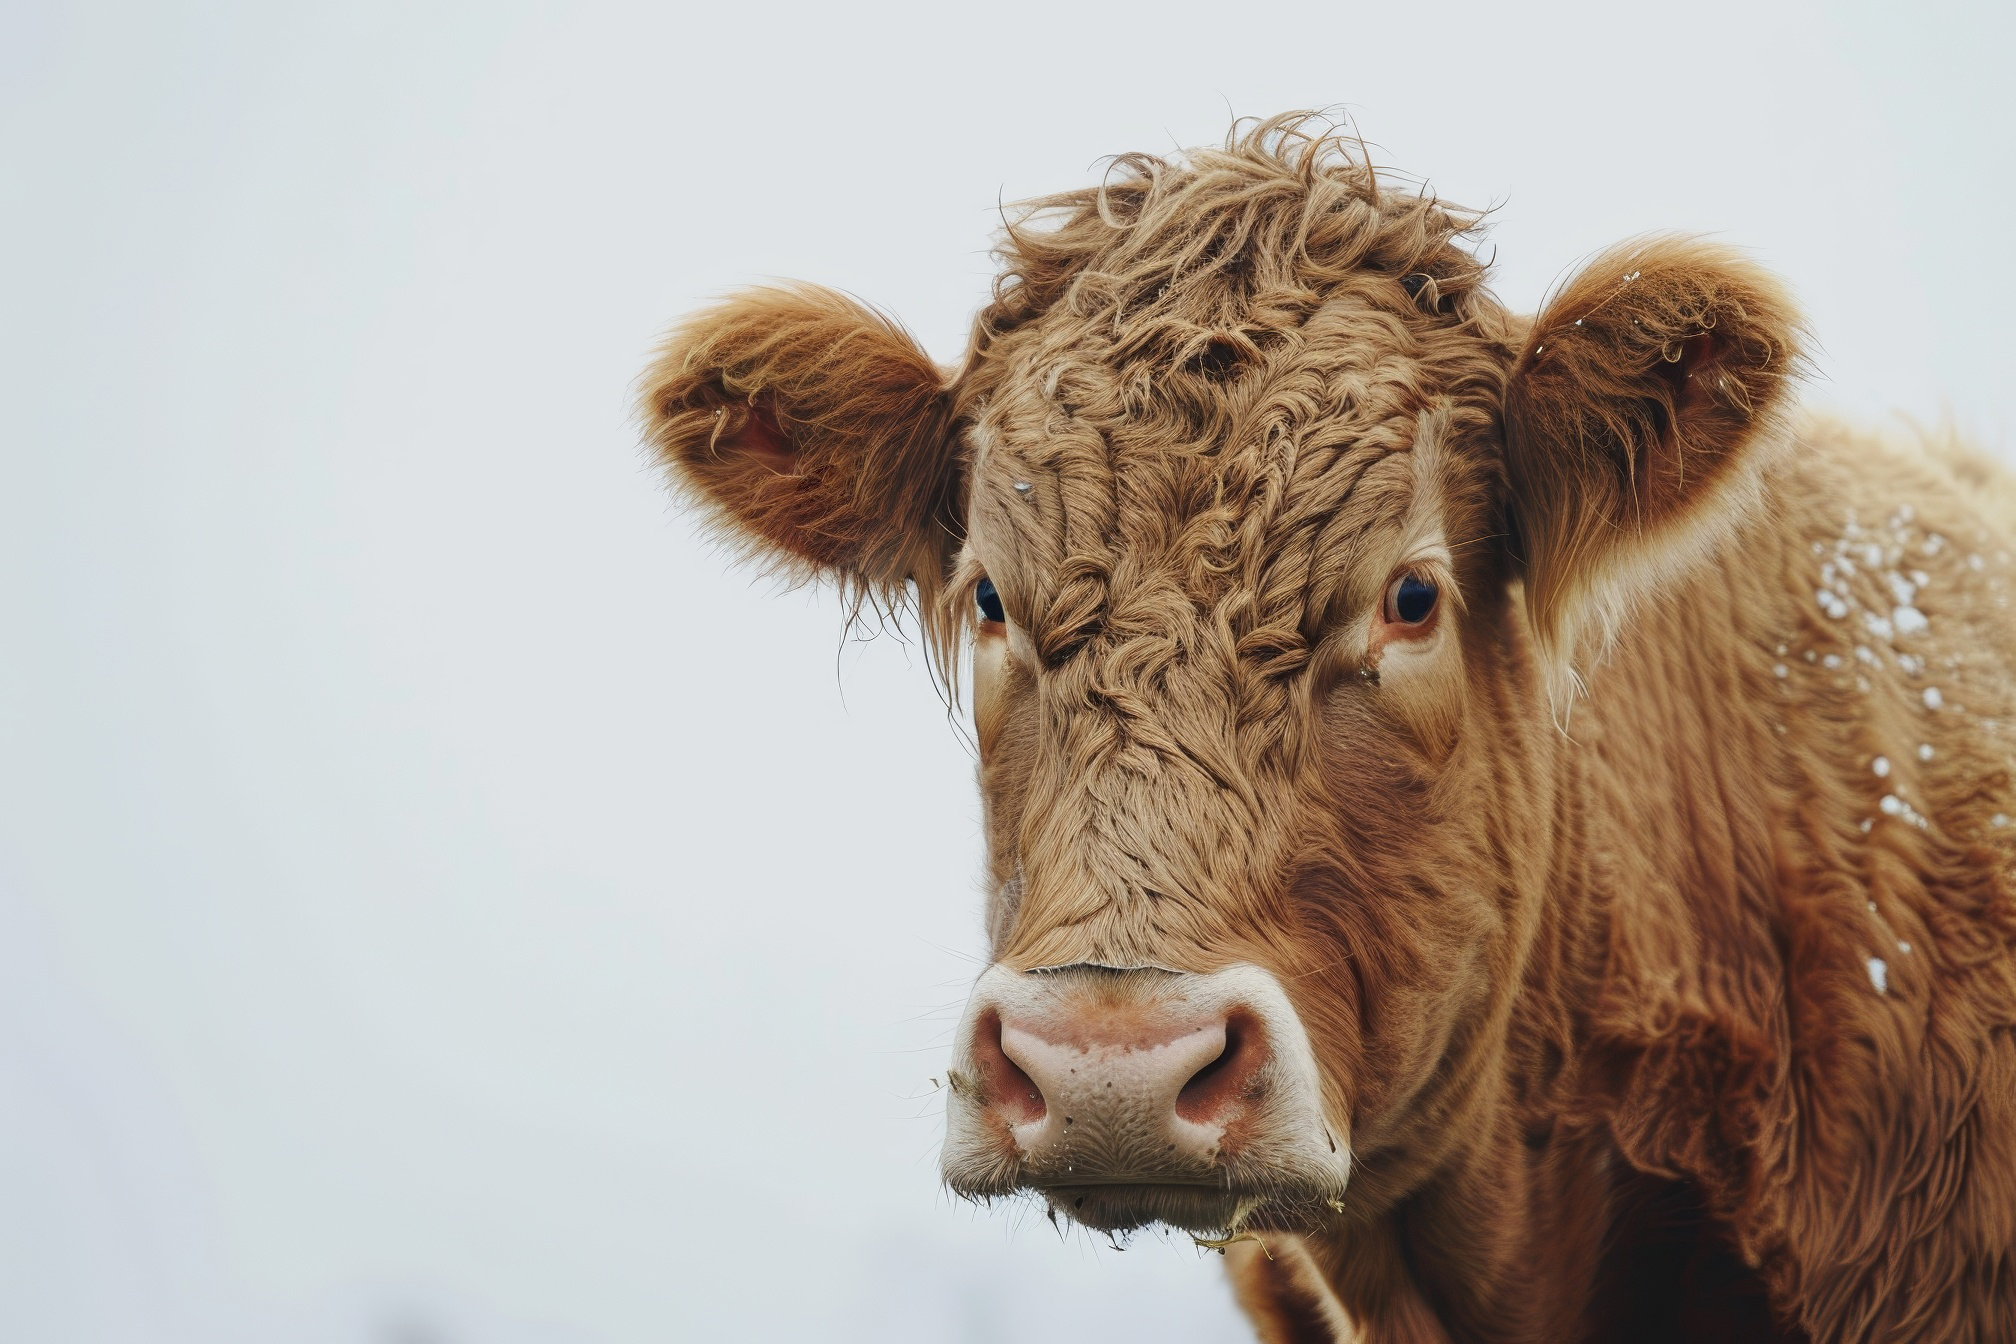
point(1658, 877)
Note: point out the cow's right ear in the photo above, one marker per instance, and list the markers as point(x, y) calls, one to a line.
point(1647, 403)
point(818, 433)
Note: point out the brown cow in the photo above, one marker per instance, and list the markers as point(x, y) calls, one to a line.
point(1500, 823)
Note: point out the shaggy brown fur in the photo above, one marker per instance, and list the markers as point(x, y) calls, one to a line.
point(1687, 1016)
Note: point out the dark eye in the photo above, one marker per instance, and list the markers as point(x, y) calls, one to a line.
point(990, 602)
point(1411, 600)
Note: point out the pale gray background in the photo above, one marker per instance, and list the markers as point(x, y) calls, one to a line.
point(440, 903)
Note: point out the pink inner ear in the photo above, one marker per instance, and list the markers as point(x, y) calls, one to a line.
point(761, 438)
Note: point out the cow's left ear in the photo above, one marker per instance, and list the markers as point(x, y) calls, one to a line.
point(1648, 398)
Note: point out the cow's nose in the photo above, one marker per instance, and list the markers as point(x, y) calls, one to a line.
point(1132, 1095)
point(1150, 1086)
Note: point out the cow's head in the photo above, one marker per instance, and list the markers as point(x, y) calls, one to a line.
point(1271, 534)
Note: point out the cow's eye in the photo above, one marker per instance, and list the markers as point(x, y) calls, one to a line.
point(1411, 600)
point(990, 602)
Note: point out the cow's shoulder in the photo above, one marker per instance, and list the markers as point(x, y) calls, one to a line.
point(1808, 1004)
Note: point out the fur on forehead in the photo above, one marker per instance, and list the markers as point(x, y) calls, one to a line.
point(1202, 366)
point(1255, 555)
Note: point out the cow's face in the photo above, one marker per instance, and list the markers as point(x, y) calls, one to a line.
point(1264, 524)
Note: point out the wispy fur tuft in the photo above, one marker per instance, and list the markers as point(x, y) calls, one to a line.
point(1289, 205)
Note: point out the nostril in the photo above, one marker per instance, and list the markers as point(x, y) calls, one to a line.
point(1004, 1085)
point(1217, 1088)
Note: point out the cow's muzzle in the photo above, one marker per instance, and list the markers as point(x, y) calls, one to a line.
point(1134, 1096)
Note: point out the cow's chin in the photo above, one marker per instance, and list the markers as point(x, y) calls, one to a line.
point(1198, 1209)
point(1201, 1210)
point(1284, 1202)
